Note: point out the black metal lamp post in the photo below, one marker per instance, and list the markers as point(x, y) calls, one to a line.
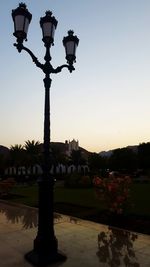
point(45, 248)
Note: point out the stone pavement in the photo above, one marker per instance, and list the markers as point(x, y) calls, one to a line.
point(85, 243)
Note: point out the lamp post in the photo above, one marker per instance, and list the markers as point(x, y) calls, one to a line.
point(45, 248)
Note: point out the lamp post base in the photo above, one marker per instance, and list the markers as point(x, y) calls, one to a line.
point(42, 259)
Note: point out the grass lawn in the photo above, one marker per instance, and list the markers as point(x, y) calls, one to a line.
point(83, 203)
point(77, 196)
point(85, 198)
point(27, 195)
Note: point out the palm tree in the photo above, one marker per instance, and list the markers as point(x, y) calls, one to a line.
point(33, 152)
point(17, 156)
point(32, 147)
point(16, 147)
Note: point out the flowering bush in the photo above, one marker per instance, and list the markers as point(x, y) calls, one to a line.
point(113, 191)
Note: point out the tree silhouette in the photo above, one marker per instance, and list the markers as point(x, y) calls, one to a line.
point(144, 155)
point(33, 153)
point(32, 147)
point(77, 158)
point(17, 156)
point(97, 163)
point(123, 159)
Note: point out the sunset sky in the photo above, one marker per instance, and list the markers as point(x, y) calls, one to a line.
point(105, 102)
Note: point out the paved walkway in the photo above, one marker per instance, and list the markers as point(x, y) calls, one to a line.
point(85, 243)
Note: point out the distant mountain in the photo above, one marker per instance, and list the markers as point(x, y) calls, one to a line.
point(106, 154)
point(134, 148)
point(63, 147)
point(110, 152)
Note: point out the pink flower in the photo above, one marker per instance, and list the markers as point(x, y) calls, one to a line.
point(97, 181)
point(113, 191)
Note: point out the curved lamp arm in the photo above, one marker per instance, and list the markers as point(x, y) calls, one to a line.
point(47, 67)
point(20, 47)
point(59, 68)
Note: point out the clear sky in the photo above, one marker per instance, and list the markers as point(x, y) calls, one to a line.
point(105, 102)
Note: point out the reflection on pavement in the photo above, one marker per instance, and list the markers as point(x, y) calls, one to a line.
point(15, 214)
point(26, 216)
point(115, 248)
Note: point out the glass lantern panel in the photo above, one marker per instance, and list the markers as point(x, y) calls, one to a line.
point(26, 25)
point(19, 23)
point(53, 30)
point(47, 29)
point(75, 47)
point(70, 48)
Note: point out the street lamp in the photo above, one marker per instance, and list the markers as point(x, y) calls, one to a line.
point(45, 248)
